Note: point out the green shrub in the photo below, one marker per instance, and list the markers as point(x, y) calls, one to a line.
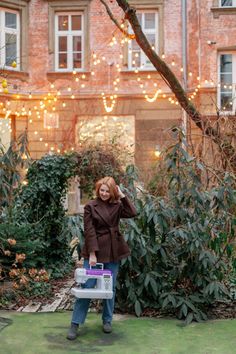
point(182, 243)
point(97, 161)
point(40, 204)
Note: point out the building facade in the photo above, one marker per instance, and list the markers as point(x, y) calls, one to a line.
point(70, 76)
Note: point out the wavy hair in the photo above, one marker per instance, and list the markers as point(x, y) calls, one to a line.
point(111, 184)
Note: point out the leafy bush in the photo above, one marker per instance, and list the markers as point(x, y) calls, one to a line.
point(40, 204)
point(182, 243)
point(97, 161)
point(18, 242)
point(18, 246)
point(12, 162)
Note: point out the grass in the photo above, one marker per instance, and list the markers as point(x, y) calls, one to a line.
point(45, 333)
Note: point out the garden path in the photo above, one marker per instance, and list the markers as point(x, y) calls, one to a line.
point(62, 300)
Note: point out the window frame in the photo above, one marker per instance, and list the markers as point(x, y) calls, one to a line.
point(155, 31)
point(228, 7)
point(218, 10)
point(22, 7)
point(60, 6)
point(155, 5)
point(233, 110)
point(46, 120)
point(69, 36)
point(3, 31)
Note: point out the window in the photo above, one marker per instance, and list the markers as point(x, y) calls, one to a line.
point(68, 35)
point(9, 38)
point(149, 23)
point(105, 129)
point(51, 120)
point(223, 8)
point(227, 3)
point(69, 41)
point(227, 82)
point(5, 134)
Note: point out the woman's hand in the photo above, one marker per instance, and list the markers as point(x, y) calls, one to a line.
point(121, 195)
point(92, 259)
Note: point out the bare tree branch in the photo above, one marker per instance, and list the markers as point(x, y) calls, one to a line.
point(128, 35)
point(169, 77)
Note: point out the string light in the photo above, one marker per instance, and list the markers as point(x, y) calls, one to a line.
point(152, 99)
point(108, 102)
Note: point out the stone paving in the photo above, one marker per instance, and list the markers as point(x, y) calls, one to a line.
point(63, 300)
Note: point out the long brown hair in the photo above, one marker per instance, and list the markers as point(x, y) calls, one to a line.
point(111, 184)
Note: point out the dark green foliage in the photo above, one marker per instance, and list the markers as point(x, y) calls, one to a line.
point(26, 243)
point(40, 204)
point(12, 162)
point(97, 161)
point(182, 244)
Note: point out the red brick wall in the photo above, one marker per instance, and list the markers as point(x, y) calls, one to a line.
point(202, 62)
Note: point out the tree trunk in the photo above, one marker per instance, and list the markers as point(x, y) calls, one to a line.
point(174, 84)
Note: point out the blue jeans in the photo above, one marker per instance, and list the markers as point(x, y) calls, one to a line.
point(81, 306)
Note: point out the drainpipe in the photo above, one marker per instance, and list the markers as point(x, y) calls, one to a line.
point(184, 56)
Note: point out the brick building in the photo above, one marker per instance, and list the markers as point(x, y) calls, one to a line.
point(77, 78)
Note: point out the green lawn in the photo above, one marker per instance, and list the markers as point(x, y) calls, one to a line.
point(45, 333)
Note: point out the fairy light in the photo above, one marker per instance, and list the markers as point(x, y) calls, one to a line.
point(152, 99)
point(113, 102)
point(109, 102)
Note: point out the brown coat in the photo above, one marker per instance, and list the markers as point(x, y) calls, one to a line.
point(101, 229)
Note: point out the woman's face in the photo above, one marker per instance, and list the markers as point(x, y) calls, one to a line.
point(104, 192)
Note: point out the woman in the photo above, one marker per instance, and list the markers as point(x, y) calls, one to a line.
point(103, 244)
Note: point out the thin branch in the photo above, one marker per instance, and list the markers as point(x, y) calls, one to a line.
point(128, 35)
point(169, 77)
